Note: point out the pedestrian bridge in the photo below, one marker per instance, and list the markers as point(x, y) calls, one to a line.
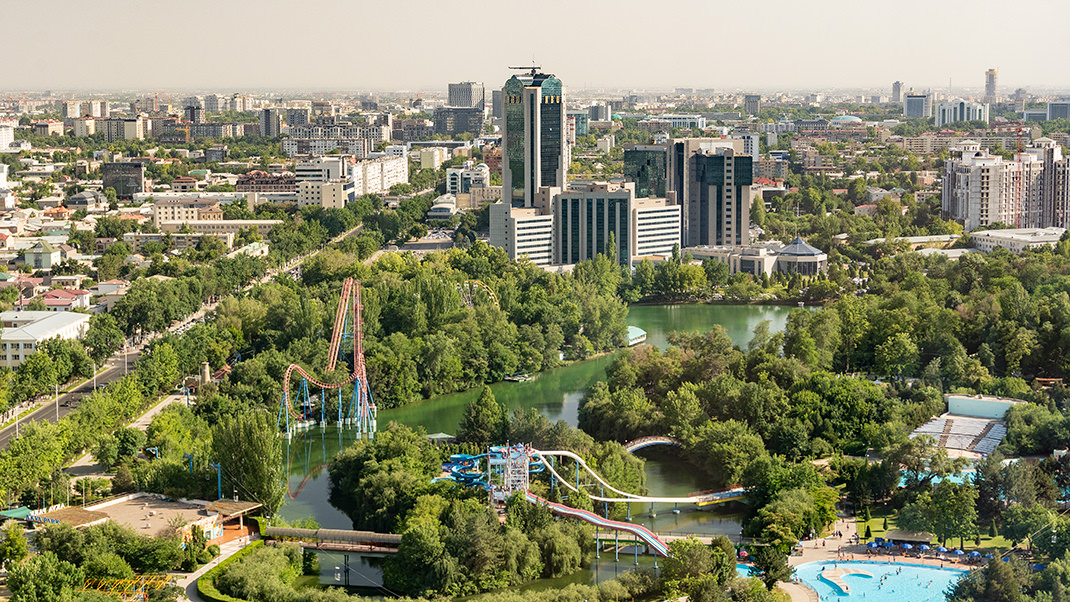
point(337, 540)
point(637, 444)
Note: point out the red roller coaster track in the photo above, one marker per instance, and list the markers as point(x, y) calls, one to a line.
point(349, 303)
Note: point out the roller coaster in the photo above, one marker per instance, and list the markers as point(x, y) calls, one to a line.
point(347, 335)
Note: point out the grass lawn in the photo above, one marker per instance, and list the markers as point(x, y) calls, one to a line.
point(876, 525)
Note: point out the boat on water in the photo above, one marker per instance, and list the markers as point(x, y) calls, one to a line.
point(519, 377)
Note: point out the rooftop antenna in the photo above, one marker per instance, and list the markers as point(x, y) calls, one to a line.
point(534, 68)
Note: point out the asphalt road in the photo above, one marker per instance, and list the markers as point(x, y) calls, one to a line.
point(69, 401)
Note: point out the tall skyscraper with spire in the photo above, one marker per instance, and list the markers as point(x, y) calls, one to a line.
point(535, 150)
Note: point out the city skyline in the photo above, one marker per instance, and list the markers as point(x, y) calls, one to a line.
point(830, 45)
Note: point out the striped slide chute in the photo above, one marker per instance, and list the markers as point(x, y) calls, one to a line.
point(639, 531)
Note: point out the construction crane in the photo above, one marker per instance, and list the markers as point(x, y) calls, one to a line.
point(534, 69)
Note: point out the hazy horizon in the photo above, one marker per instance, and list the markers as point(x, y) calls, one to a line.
point(353, 45)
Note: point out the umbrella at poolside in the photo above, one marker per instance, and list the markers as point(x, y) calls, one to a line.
point(989, 556)
point(907, 546)
point(975, 554)
point(941, 549)
point(924, 546)
point(958, 553)
point(889, 544)
point(873, 544)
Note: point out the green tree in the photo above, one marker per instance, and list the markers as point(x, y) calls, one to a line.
point(44, 578)
point(13, 546)
point(771, 565)
point(249, 450)
point(484, 420)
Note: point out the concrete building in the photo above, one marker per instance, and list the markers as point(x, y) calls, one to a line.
point(24, 331)
point(126, 178)
point(122, 128)
point(7, 136)
point(261, 181)
point(752, 104)
point(222, 226)
point(917, 106)
point(960, 110)
point(466, 94)
point(433, 158)
point(581, 120)
point(296, 116)
point(897, 92)
point(766, 258)
point(84, 126)
point(461, 180)
point(48, 127)
point(451, 121)
point(1016, 240)
point(42, 256)
point(321, 169)
point(655, 227)
point(178, 241)
point(186, 210)
point(356, 147)
point(991, 80)
point(376, 176)
point(496, 104)
point(270, 123)
point(1058, 110)
point(523, 232)
point(331, 194)
point(711, 180)
point(1031, 191)
point(91, 201)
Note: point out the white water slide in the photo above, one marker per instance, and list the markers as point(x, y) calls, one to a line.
point(704, 498)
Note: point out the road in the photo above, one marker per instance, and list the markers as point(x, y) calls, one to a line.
point(53, 410)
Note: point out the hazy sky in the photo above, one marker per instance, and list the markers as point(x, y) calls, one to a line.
point(226, 45)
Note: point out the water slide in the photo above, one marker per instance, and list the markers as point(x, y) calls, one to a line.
point(702, 499)
point(637, 444)
point(639, 531)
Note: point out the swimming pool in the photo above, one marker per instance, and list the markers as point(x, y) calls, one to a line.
point(877, 581)
point(743, 570)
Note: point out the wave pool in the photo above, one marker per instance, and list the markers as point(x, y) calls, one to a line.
point(877, 581)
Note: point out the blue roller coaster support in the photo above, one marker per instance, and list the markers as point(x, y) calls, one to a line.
point(218, 480)
point(616, 546)
point(306, 403)
point(339, 406)
point(283, 413)
point(190, 458)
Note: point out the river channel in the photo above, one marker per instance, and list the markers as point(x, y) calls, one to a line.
point(555, 393)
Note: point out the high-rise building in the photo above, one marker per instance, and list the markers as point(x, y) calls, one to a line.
point(270, 123)
point(991, 80)
point(1031, 191)
point(917, 106)
point(496, 104)
point(194, 114)
point(752, 104)
point(214, 103)
point(644, 164)
point(711, 181)
point(450, 121)
point(582, 120)
point(126, 178)
point(466, 94)
point(534, 137)
point(897, 92)
point(599, 111)
point(298, 116)
point(960, 110)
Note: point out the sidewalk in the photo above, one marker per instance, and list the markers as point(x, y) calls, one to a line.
point(87, 466)
point(188, 583)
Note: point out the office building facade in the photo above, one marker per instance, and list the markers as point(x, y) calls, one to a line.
point(466, 94)
point(917, 106)
point(897, 92)
point(960, 110)
point(644, 164)
point(535, 151)
point(711, 181)
point(270, 123)
point(126, 178)
point(450, 121)
point(752, 104)
point(991, 81)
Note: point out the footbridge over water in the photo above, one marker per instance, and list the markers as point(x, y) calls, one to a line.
point(638, 444)
point(337, 540)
